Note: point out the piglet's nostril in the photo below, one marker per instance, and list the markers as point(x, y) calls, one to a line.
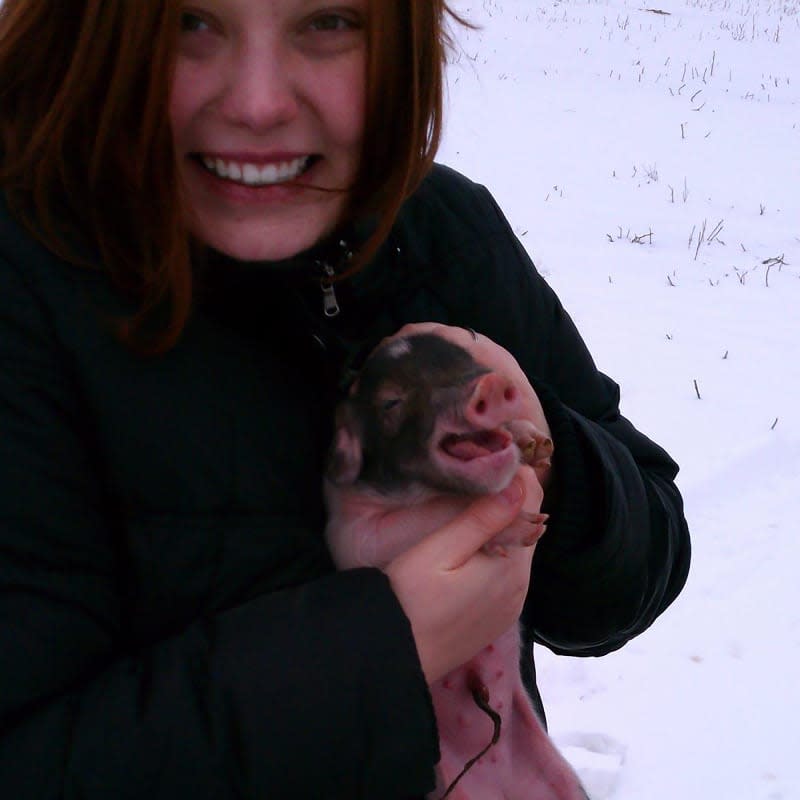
point(510, 394)
point(480, 407)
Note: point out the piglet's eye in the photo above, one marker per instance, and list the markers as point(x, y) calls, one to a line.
point(388, 400)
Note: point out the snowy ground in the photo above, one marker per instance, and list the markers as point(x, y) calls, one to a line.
point(651, 164)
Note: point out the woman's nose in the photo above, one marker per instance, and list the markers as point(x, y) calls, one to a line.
point(260, 91)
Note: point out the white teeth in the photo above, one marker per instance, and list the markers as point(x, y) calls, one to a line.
point(252, 174)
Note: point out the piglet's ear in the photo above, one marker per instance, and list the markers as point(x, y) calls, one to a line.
point(344, 459)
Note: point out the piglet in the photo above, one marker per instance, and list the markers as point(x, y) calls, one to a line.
point(424, 419)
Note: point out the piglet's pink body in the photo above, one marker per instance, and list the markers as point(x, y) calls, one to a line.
point(425, 422)
point(523, 764)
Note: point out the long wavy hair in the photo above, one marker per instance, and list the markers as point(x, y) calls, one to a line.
point(86, 153)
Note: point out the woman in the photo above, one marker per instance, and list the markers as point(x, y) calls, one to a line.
point(211, 211)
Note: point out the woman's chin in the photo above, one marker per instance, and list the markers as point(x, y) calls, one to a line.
point(270, 226)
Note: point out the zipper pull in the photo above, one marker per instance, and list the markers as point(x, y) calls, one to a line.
point(330, 305)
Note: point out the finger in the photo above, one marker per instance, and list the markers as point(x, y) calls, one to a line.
point(458, 541)
point(521, 533)
point(411, 328)
point(534, 494)
point(466, 337)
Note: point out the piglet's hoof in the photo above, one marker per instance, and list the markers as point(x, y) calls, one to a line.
point(536, 449)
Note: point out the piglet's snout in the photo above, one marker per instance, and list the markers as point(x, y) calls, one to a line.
point(494, 401)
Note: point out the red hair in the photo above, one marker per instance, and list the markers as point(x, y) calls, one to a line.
point(86, 153)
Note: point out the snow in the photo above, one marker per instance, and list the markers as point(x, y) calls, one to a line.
point(650, 163)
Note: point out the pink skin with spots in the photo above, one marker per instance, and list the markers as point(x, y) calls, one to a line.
point(424, 424)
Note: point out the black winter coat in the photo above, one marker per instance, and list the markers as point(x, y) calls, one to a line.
point(170, 622)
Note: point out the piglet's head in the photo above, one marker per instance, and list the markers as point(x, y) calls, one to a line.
point(422, 411)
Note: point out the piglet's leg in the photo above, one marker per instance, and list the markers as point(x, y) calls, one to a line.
point(516, 761)
point(535, 447)
point(539, 771)
point(535, 450)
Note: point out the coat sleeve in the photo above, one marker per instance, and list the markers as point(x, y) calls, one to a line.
point(617, 549)
point(306, 693)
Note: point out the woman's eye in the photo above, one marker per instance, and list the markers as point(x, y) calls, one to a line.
point(344, 19)
point(192, 23)
point(333, 22)
point(199, 34)
point(333, 30)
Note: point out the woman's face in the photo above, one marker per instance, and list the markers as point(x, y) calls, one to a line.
point(267, 108)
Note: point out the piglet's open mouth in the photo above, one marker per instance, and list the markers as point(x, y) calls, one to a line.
point(477, 444)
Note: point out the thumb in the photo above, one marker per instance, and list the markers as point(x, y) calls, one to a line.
point(461, 538)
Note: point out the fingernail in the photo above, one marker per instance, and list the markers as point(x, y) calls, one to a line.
point(534, 518)
point(535, 535)
point(514, 492)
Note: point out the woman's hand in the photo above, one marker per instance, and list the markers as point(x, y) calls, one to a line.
point(457, 598)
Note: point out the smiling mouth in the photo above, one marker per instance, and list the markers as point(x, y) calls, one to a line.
point(255, 175)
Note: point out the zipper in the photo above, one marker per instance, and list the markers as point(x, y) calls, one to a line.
point(330, 305)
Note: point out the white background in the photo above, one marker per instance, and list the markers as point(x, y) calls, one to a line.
point(612, 135)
